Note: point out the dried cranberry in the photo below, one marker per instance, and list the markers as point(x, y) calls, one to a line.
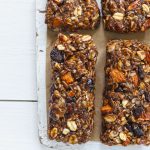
point(147, 96)
point(57, 55)
point(137, 130)
point(137, 112)
point(90, 84)
point(140, 72)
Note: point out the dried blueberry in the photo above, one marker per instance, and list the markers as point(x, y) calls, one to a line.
point(147, 96)
point(140, 72)
point(90, 84)
point(137, 112)
point(137, 130)
point(57, 55)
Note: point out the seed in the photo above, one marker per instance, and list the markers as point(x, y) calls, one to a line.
point(145, 8)
point(60, 47)
point(124, 103)
point(118, 16)
point(54, 132)
point(73, 139)
point(123, 136)
point(72, 125)
point(110, 118)
point(66, 131)
point(141, 54)
point(86, 38)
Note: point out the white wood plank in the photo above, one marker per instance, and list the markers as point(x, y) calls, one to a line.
point(18, 126)
point(17, 50)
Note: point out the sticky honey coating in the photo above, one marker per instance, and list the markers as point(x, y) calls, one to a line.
point(126, 15)
point(126, 100)
point(71, 105)
point(72, 15)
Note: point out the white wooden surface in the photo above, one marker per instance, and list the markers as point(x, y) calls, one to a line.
point(18, 106)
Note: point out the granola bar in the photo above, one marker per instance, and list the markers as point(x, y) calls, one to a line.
point(71, 15)
point(71, 106)
point(126, 100)
point(126, 15)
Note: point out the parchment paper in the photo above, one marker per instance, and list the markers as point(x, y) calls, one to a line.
point(100, 38)
point(44, 41)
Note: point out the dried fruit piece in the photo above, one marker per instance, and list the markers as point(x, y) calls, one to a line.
point(137, 130)
point(106, 109)
point(140, 72)
point(72, 125)
point(135, 80)
point(147, 96)
point(73, 139)
point(133, 5)
point(57, 55)
point(137, 112)
point(68, 78)
point(90, 84)
point(148, 57)
point(117, 75)
point(60, 47)
point(110, 118)
point(54, 132)
point(57, 22)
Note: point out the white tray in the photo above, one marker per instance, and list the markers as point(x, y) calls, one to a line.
point(41, 81)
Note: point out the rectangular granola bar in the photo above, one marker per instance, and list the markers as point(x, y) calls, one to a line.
point(71, 106)
point(126, 100)
point(71, 15)
point(126, 15)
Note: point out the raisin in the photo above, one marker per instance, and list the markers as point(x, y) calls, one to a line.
point(137, 131)
point(119, 88)
point(129, 127)
point(90, 84)
point(52, 89)
point(140, 72)
point(147, 96)
point(57, 55)
point(70, 99)
point(137, 112)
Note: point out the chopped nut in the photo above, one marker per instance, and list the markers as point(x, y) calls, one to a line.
point(63, 37)
point(73, 139)
point(54, 132)
point(145, 8)
point(66, 131)
point(68, 78)
point(118, 16)
point(141, 54)
point(72, 125)
point(117, 75)
point(106, 109)
point(133, 5)
point(123, 136)
point(60, 47)
point(113, 134)
point(86, 38)
point(110, 118)
point(78, 11)
point(124, 103)
point(92, 55)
